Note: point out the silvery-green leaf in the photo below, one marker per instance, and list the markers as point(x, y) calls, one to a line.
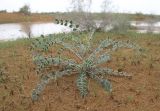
point(72, 49)
point(103, 58)
point(82, 49)
point(82, 84)
point(57, 21)
point(77, 26)
point(103, 82)
point(106, 85)
point(45, 80)
point(106, 43)
point(111, 72)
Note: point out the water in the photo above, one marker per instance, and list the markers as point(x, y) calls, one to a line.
point(13, 31)
point(144, 27)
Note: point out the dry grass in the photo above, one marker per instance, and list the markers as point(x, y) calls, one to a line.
point(18, 17)
point(141, 93)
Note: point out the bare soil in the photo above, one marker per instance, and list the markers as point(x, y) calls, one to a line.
point(141, 93)
point(19, 17)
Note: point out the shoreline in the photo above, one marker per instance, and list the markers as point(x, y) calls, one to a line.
point(20, 18)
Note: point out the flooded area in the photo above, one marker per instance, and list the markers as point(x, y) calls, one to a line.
point(13, 31)
point(144, 27)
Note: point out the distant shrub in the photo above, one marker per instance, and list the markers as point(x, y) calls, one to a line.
point(120, 23)
point(3, 11)
point(25, 10)
point(82, 47)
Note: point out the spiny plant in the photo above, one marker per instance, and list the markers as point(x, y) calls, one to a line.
point(85, 60)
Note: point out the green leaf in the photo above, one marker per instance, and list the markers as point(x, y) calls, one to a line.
point(66, 24)
point(70, 26)
point(45, 80)
point(77, 26)
point(106, 43)
point(66, 21)
point(106, 85)
point(42, 35)
point(82, 49)
point(71, 22)
point(57, 21)
point(103, 58)
point(103, 82)
point(82, 84)
point(74, 29)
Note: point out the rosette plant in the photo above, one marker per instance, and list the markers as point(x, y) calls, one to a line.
point(85, 60)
